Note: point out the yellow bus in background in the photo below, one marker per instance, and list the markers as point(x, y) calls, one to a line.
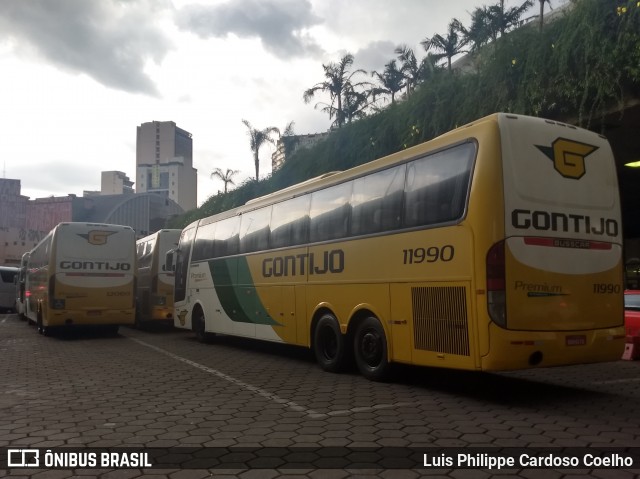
point(495, 246)
point(82, 274)
point(154, 299)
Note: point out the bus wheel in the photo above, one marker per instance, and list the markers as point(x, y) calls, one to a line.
point(329, 344)
point(42, 329)
point(198, 325)
point(370, 345)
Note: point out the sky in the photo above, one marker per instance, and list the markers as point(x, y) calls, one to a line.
point(78, 77)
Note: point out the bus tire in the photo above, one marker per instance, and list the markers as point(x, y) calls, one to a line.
point(42, 329)
point(370, 348)
point(329, 345)
point(198, 326)
point(112, 329)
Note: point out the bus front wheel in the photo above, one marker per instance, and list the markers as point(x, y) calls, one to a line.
point(370, 346)
point(198, 326)
point(329, 345)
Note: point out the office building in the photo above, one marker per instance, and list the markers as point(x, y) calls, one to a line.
point(164, 163)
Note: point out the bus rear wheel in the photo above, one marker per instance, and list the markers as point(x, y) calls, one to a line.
point(370, 347)
point(329, 345)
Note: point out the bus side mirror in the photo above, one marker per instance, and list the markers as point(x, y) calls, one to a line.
point(169, 264)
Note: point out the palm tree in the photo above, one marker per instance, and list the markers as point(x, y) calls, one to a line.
point(354, 104)
point(542, 2)
point(410, 68)
point(502, 20)
point(226, 177)
point(391, 81)
point(488, 23)
point(257, 138)
point(338, 82)
point(479, 33)
point(450, 45)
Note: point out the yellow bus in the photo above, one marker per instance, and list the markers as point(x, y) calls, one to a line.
point(495, 246)
point(154, 298)
point(82, 274)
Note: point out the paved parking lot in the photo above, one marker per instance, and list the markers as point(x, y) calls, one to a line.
point(165, 391)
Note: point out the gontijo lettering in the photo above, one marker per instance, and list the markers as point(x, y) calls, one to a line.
point(95, 265)
point(568, 223)
point(300, 264)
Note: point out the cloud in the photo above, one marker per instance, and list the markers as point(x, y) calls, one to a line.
point(280, 24)
point(56, 177)
point(375, 55)
point(109, 40)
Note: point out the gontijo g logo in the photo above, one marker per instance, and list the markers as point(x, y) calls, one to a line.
point(568, 156)
point(97, 237)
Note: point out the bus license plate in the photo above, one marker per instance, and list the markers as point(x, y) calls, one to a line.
point(576, 340)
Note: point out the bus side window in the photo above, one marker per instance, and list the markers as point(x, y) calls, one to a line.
point(330, 213)
point(290, 222)
point(437, 186)
point(203, 247)
point(226, 241)
point(254, 230)
point(377, 201)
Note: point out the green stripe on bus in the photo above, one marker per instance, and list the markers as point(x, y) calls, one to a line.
point(239, 299)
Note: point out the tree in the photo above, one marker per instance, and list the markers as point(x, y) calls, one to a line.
point(501, 20)
point(488, 23)
point(354, 104)
point(338, 83)
point(410, 68)
point(257, 138)
point(226, 177)
point(541, 18)
point(391, 81)
point(479, 33)
point(450, 45)
point(288, 138)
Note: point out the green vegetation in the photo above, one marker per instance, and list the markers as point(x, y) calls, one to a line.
point(574, 69)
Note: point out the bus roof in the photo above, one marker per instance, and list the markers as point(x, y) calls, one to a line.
point(335, 177)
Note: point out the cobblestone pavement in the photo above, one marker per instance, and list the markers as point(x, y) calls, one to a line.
point(162, 389)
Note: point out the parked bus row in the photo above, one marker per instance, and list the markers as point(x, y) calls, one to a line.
point(86, 274)
point(495, 246)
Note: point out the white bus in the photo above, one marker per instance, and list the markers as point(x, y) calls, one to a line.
point(495, 246)
point(21, 303)
point(82, 274)
point(154, 298)
point(8, 275)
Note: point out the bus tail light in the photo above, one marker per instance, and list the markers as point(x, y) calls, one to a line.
point(496, 297)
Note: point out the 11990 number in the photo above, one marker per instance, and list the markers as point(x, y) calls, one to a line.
point(431, 254)
point(606, 288)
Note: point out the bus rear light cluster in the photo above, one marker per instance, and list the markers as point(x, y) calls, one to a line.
point(496, 297)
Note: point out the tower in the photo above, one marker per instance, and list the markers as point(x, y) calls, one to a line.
point(164, 163)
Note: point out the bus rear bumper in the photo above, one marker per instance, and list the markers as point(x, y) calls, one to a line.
point(510, 350)
point(162, 314)
point(91, 318)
